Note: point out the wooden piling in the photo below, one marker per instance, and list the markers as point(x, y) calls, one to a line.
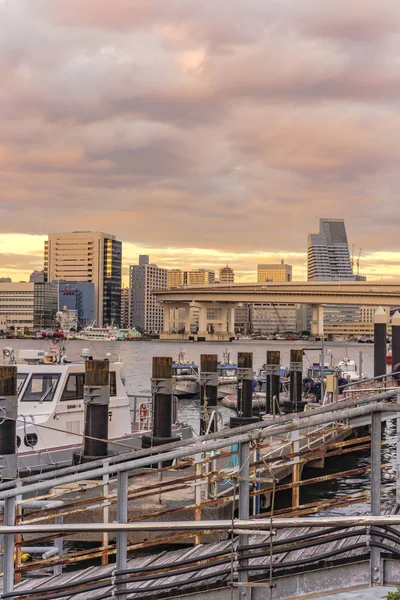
point(272, 379)
point(208, 390)
point(296, 378)
point(97, 400)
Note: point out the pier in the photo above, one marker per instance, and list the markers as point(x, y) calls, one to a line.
point(220, 488)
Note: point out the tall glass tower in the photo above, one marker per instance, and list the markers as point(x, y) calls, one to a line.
point(328, 255)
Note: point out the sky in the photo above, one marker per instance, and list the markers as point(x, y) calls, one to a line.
point(203, 133)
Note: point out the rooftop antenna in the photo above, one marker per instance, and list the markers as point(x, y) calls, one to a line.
point(358, 262)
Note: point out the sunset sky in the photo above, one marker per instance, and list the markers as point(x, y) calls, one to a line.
point(200, 132)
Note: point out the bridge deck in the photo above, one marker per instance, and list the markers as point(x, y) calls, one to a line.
point(294, 550)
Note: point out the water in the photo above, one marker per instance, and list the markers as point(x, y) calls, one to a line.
point(137, 359)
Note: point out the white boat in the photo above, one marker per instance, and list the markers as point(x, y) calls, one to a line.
point(51, 409)
point(186, 377)
point(227, 377)
point(106, 334)
point(348, 369)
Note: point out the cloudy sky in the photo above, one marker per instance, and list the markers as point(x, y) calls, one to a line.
point(201, 132)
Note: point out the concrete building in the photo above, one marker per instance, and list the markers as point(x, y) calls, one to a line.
point(146, 313)
point(88, 256)
point(268, 318)
point(78, 296)
point(242, 318)
point(226, 275)
point(5, 280)
point(176, 277)
point(274, 272)
point(200, 277)
point(27, 305)
point(125, 307)
point(36, 277)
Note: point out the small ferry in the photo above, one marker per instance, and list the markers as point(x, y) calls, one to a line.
point(348, 370)
point(106, 334)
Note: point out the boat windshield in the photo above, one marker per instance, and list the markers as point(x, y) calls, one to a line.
point(21, 378)
point(182, 371)
point(41, 387)
point(227, 372)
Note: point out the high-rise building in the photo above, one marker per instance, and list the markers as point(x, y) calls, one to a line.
point(200, 277)
point(176, 277)
point(328, 259)
point(88, 256)
point(328, 255)
point(226, 275)
point(146, 313)
point(125, 307)
point(275, 272)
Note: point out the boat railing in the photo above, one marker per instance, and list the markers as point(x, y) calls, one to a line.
point(141, 411)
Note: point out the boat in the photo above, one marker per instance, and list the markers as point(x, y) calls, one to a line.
point(227, 376)
point(348, 370)
point(186, 377)
point(106, 334)
point(51, 409)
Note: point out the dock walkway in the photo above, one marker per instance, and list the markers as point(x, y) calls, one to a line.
point(214, 568)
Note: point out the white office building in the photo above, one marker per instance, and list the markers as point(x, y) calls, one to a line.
point(146, 312)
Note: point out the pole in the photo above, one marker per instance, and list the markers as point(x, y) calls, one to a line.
point(244, 511)
point(380, 320)
point(208, 390)
point(122, 536)
point(8, 425)
point(376, 466)
point(296, 372)
point(360, 365)
point(162, 394)
point(395, 339)
point(272, 379)
point(245, 387)
point(322, 368)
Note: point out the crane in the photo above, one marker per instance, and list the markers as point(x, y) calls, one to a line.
point(358, 262)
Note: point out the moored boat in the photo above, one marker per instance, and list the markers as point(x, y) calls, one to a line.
point(186, 377)
point(51, 409)
point(227, 376)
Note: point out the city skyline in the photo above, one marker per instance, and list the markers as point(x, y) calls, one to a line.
point(163, 123)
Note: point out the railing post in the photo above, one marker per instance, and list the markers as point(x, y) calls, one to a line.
point(8, 560)
point(59, 544)
point(122, 537)
point(376, 466)
point(244, 512)
point(295, 436)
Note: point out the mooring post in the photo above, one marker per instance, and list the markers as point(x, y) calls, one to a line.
point(8, 451)
point(244, 513)
point(8, 421)
point(208, 391)
point(122, 536)
point(162, 394)
point(380, 320)
point(272, 379)
point(96, 395)
point(296, 378)
point(395, 339)
point(376, 466)
point(245, 386)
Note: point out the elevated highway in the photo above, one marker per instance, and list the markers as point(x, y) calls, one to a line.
point(224, 297)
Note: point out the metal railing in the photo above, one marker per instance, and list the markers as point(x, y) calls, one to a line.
point(261, 449)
